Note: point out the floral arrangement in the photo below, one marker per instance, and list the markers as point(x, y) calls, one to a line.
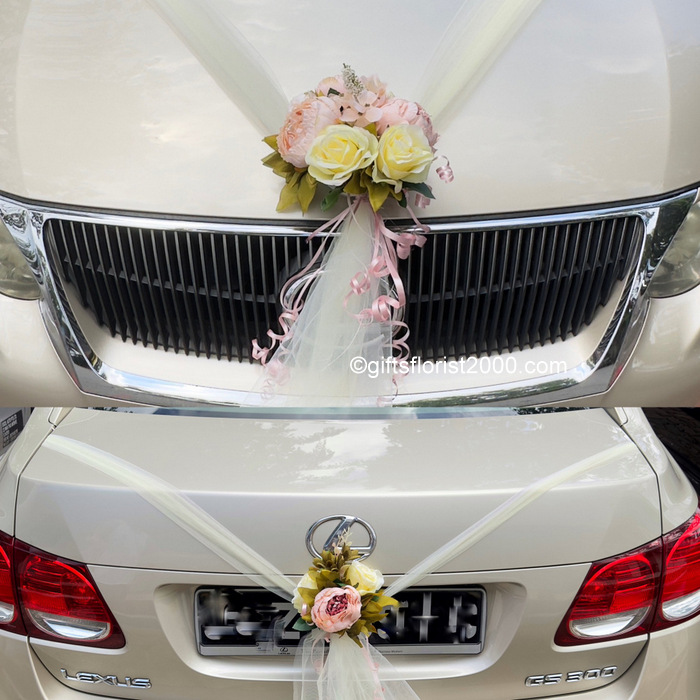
point(341, 595)
point(354, 136)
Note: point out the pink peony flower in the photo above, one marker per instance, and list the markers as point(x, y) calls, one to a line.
point(336, 609)
point(398, 111)
point(335, 82)
point(378, 88)
point(305, 121)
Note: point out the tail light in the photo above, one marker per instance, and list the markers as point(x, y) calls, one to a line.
point(10, 616)
point(56, 598)
point(680, 594)
point(648, 589)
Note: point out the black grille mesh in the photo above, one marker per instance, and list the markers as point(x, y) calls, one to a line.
point(470, 292)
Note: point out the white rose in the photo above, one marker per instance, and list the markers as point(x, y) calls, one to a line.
point(306, 582)
point(338, 151)
point(404, 155)
point(364, 578)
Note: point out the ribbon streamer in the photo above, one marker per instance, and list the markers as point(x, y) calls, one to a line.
point(350, 313)
point(232, 61)
point(339, 669)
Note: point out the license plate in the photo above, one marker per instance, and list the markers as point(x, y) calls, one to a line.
point(232, 621)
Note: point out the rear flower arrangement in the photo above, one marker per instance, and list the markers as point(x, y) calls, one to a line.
point(340, 600)
point(341, 595)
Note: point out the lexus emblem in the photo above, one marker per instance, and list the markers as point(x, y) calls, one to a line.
point(345, 522)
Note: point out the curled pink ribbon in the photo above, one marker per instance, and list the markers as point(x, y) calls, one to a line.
point(389, 247)
point(290, 313)
point(445, 172)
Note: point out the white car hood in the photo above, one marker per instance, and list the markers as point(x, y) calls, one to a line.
point(417, 482)
point(103, 105)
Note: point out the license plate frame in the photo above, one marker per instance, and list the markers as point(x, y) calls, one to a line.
point(245, 621)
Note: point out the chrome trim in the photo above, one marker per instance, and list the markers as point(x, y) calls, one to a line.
point(339, 533)
point(661, 219)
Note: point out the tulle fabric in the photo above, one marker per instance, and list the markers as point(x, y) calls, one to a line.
point(475, 38)
point(181, 511)
point(479, 530)
point(331, 357)
point(339, 669)
point(231, 60)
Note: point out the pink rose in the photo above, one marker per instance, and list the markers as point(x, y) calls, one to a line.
point(336, 609)
point(398, 111)
point(304, 122)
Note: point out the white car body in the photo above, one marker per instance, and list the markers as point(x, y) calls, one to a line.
point(267, 479)
point(109, 115)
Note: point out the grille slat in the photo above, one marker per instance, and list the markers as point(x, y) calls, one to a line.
point(470, 292)
point(517, 332)
point(239, 277)
point(450, 343)
point(547, 332)
point(180, 340)
point(165, 315)
point(475, 294)
point(150, 309)
point(588, 279)
point(549, 277)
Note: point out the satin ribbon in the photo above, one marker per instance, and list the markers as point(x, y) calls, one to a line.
point(389, 248)
point(291, 312)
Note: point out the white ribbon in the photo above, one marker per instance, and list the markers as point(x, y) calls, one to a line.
point(181, 511)
point(479, 33)
point(231, 60)
point(342, 670)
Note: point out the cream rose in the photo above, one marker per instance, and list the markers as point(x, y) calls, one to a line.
point(398, 111)
point(364, 578)
point(404, 155)
point(338, 151)
point(306, 582)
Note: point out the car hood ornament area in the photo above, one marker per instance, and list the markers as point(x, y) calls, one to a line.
point(341, 533)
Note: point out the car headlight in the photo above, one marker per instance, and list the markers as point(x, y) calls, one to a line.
point(679, 269)
point(16, 279)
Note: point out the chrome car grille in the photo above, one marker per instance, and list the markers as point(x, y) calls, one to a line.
point(471, 292)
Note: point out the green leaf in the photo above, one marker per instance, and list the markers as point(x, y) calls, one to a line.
point(378, 192)
point(278, 164)
point(419, 187)
point(307, 190)
point(353, 185)
point(302, 626)
point(384, 601)
point(289, 196)
point(331, 198)
point(332, 91)
point(271, 141)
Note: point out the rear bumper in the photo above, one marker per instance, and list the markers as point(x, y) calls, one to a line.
point(667, 668)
